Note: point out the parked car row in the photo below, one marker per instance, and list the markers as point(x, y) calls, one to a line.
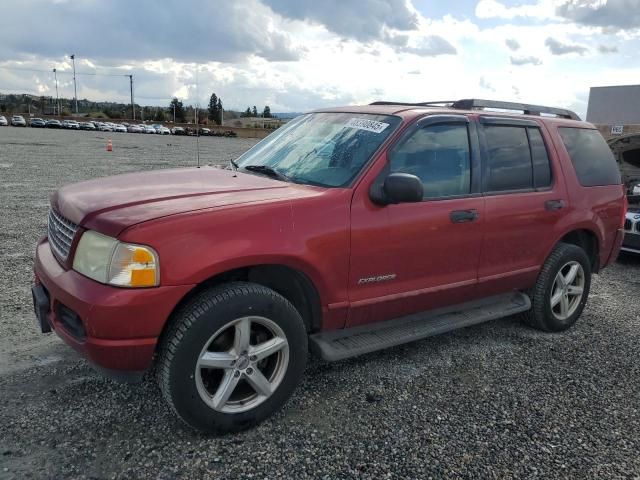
point(124, 127)
point(159, 129)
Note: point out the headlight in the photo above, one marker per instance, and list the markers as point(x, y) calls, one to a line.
point(107, 260)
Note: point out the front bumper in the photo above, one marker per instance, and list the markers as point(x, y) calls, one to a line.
point(116, 329)
point(631, 242)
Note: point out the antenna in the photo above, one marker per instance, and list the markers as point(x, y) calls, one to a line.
point(196, 120)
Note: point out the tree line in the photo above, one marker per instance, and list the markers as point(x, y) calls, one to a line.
point(253, 112)
point(46, 105)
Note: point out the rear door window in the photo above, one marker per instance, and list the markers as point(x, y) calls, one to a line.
point(591, 157)
point(508, 159)
point(540, 157)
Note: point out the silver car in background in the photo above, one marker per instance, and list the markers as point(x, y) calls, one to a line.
point(18, 121)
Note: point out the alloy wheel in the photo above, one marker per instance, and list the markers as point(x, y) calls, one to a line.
point(242, 364)
point(567, 290)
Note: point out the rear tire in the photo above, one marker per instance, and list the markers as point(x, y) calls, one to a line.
point(561, 291)
point(232, 357)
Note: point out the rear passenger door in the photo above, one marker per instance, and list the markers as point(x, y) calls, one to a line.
point(524, 201)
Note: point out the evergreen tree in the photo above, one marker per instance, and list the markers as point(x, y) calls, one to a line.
point(213, 108)
point(254, 112)
point(219, 113)
point(266, 113)
point(179, 109)
point(247, 112)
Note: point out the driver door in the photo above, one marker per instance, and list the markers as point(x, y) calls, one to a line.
point(411, 257)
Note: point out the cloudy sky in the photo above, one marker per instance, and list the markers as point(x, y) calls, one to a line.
point(295, 55)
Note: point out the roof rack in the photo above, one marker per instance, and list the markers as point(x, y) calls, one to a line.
point(477, 104)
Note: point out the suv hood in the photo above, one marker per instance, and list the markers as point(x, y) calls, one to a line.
point(109, 205)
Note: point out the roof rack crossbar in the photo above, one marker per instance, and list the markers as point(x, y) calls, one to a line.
point(478, 104)
point(419, 104)
point(396, 103)
point(474, 103)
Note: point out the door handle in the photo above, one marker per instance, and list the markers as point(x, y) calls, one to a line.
point(554, 205)
point(464, 216)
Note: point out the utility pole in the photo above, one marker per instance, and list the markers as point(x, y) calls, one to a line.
point(75, 90)
point(55, 75)
point(174, 113)
point(133, 107)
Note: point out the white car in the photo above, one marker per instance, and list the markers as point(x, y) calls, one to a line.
point(162, 130)
point(119, 128)
point(18, 121)
point(631, 241)
point(3, 121)
point(105, 127)
point(134, 129)
point(149, 129)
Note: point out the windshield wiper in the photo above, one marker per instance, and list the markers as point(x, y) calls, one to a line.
point(267, 170)
point(234, 165)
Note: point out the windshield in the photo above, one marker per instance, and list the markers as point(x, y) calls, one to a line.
point(325, 149)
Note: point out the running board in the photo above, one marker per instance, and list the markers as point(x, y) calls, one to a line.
point(340, 344)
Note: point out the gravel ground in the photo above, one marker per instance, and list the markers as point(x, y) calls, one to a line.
point(497, 400)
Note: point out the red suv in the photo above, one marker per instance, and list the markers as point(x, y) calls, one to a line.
point(348, 230)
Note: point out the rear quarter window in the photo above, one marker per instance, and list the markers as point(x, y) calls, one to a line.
point(592, 158)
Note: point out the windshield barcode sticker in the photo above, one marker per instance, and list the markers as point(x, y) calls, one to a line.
point(368, 125)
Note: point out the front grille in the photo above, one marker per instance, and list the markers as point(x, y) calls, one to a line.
point(60, 232)
point(627, 224)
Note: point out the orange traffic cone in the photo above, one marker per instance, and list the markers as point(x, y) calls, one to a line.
point(109, 146)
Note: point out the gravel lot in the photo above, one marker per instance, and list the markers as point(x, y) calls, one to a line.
point(493, 401)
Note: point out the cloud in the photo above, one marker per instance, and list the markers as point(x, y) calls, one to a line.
point(120, 29)
point(431, 46)
point(558, 48)
point(611, 14)
point(363, 20)
point(604, 49)
point(525, 61)
point(494, 9)
point(512, 44)
point(485, 84)
point(397, 40)
point(295, 55)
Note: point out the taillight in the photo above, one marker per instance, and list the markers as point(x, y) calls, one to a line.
point(625, 207)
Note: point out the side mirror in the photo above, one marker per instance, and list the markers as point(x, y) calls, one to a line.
point(398, 188)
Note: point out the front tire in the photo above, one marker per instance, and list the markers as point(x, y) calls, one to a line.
point(561, 291)
point(232, 357)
